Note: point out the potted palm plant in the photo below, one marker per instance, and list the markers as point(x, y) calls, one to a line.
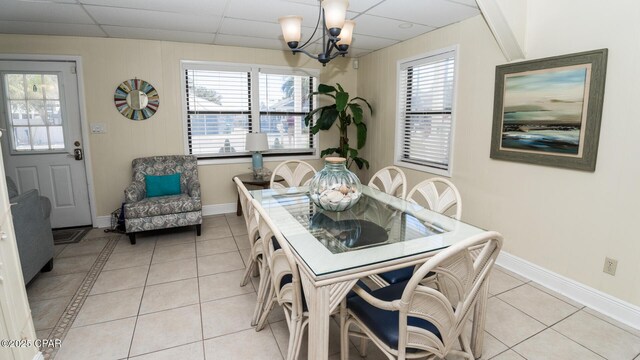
point(347, 112)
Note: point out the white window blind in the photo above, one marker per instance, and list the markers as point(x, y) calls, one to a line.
point(224, 103)
point(284, 102)
point(426, 111)
point(218, 111)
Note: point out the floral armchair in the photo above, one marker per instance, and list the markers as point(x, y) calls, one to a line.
point(144, 213)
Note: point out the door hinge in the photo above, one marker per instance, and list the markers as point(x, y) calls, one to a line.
point(73, 69)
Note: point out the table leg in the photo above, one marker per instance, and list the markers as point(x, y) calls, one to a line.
point(318, 300)
point(322, 301)
point(239, 207)
point(479, 317)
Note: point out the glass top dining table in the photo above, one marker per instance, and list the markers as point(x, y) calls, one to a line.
point(379, 228)
point(334, 249)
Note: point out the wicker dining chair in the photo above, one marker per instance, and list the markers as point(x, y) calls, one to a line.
point(294, 173)
point(285, 286)
point(437, 194)
point(256, 263)
point(390, 180)
point(408, 320)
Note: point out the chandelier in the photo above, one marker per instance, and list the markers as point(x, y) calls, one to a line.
point(336, 31)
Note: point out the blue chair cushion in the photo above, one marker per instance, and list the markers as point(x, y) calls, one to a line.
point(398, 275)
point(162, 185)
point(385, 324)
point(288, 278)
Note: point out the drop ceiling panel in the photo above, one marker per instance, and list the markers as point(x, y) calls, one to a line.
point(388, 28)
point(43, 12)
point(250, 28)
point(471, 3)
point(271, 10)
point(353, 52)
point(215, 7)
point(354, 5)
point(153, 19)
point(248, 41)
point(371, 42)
point(435, 13)
point(155, 34)
point(41, 28)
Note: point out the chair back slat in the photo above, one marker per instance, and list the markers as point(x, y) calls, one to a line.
point(280, 262)
point(460, 276)
point(390, 180)
point(294, 173)
point(427, 194)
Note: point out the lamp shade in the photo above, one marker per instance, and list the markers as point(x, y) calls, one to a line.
point(256, 142)
point(291, 26)
point(335, 12)
point(347, 33)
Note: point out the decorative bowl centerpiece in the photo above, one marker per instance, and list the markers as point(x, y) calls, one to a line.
point(335, 188)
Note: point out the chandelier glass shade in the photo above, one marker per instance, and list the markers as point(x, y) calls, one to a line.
point(337, 32)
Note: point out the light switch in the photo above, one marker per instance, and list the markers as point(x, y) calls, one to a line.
point(98, 128)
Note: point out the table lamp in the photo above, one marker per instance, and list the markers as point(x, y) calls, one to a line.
point(256, 143)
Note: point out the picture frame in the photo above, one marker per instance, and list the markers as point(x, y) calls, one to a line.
point(548, 111)
point(136, 99)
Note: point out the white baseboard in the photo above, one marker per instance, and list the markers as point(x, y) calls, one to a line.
point(617, 309)
point(103, 221)
point(38, 356)
point(215, 209)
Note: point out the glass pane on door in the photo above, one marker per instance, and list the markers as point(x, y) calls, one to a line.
point(34, 111)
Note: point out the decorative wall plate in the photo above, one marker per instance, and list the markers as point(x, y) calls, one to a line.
point(136, 99)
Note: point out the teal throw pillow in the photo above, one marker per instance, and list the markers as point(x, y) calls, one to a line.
point(162, 185)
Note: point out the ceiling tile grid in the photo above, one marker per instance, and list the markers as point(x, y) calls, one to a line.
point(247, 23)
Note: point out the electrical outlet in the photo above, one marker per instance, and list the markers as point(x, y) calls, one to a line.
point(610, 266)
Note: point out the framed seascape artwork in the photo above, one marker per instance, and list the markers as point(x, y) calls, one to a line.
point(548, 111)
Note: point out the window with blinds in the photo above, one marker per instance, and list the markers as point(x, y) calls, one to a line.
point(224, 103)
point(425, 124)
point(284, 102)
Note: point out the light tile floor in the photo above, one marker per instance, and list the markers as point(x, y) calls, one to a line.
point(176, 296)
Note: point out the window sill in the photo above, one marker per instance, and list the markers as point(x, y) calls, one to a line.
point(247, 160)
point(423, 168)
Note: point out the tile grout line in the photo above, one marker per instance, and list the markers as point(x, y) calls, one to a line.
point(204, 353)
point(64, 323)
point(135, 325)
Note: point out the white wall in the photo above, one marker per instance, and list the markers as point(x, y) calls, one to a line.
point(108, 62)
point(563, 220)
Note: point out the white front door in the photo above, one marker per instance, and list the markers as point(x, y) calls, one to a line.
point(43, 143)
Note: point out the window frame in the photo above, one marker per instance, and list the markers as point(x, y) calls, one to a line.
point(255, 70)
point(9, 121)
point(401, 104)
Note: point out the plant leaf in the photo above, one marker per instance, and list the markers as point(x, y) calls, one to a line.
point(309, 117)
point(323, 89)
point(364, 101)
point(341, 100)
point(358, 162)
point(362, 134)
point(353, 152)
point(356, 110)
point(328, 151)
point(340, 87)
point(321, 93)
point(328, 116)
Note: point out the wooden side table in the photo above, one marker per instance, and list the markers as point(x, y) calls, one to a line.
point(249, 179)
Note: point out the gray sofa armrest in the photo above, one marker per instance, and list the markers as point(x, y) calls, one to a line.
point(193, 188)
point(134, 192)
point(33, 233)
